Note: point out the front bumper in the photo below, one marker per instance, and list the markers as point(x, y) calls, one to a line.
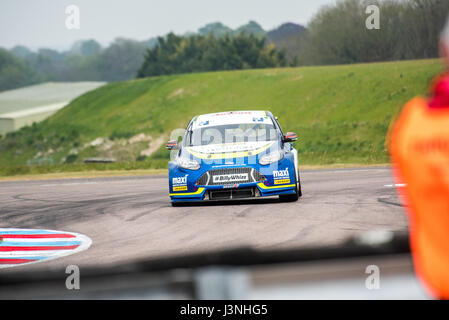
point(269, 180)
point(252, 190)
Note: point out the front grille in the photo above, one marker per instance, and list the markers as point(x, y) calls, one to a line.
point(207, 178)
point(227, 194)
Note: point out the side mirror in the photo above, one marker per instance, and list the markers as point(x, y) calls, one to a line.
point(290, 137)
point(172, 145)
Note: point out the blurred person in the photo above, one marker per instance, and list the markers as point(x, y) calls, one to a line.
point(420, 153)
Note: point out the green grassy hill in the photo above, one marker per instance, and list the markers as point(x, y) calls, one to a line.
point(340, 113)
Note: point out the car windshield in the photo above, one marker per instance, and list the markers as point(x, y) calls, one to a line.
point(231, 133)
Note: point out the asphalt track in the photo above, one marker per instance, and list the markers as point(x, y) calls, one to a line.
point(129, 218)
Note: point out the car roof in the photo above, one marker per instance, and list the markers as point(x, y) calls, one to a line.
point(231, 117)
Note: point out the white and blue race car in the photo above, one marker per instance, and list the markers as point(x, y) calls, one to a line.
point(233, 155)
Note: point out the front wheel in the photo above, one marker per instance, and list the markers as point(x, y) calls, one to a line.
point(294, 196)
point(176, 204)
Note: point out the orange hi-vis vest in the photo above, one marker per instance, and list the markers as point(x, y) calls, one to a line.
point(420, 152)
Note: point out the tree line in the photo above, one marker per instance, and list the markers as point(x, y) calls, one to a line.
point(409, 29)
point(179, 54)
point(337, 34)
point(85, 61)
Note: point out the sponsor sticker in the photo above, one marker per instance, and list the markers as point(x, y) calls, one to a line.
point(230, 186)
point(282, 181)
point(281, 174)
point(231, 112)
point(180, 180)
point(228, 178)
point(181, 188)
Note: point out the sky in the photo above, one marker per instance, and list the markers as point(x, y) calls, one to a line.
point(42, 23)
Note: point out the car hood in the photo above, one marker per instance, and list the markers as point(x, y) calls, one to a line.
point(237, 149)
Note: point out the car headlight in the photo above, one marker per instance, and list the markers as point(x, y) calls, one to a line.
point(271, 157)
point(188, 164)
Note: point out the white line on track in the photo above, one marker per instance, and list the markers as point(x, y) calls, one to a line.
point(397, 185)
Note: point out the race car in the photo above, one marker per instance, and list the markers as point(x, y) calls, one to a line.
point(233, 155)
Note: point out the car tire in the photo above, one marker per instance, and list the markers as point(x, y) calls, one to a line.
point(299, 186)
point(176, 204)
point(294, 196)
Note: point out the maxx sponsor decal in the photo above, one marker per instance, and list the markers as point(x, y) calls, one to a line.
point(281, 176)
point(180, 183)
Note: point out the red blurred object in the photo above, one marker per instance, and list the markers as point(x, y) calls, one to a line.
point(440, 92)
